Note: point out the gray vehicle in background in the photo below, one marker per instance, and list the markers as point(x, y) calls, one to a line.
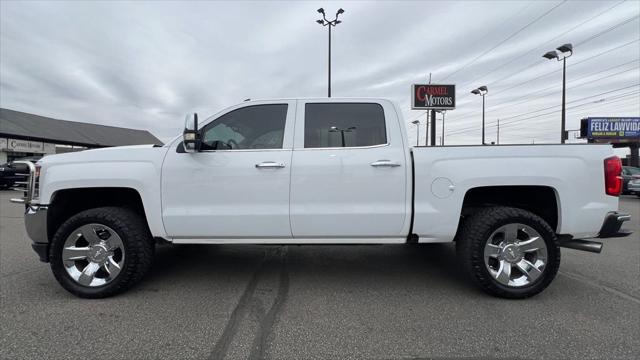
point(629, 173)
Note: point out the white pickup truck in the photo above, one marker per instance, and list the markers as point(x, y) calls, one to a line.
point(319, 171)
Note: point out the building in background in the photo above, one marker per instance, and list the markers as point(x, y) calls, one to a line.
point(26, 135)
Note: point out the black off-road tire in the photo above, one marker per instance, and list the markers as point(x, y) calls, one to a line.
point(138, 247)
point(476, 231)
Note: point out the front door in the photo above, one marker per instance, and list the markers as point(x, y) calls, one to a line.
point(237, 186)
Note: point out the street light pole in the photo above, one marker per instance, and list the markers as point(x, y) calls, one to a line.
point(329, 62)
point(498, 133)
point(564, 87)
point(330, 24)
point(483, 142)
point(555, 54)
point(482, 91)
point(417, 124)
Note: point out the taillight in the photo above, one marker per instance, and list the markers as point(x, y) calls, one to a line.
point(612, 178)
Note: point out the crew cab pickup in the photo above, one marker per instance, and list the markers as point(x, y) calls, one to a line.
point(320, 171)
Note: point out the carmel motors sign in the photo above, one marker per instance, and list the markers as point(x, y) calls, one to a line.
point(433, 97)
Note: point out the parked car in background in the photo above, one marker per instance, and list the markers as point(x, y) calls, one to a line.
point(11, 172)
point(634, 186)
point(629, 173)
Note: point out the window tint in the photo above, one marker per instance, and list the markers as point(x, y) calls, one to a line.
point(343, 125)
point(251, 127)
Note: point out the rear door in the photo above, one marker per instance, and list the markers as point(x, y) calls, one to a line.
point(349, 172)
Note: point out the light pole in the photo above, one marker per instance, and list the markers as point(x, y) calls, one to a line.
point(417, 124)
point(555, 54)
point(342, 131)
point(498, 133)
point(329, 24)
point(482, 91)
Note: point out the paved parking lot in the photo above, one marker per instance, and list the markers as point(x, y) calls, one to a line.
point(292, 302)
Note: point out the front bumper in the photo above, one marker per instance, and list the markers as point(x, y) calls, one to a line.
point(35, 220)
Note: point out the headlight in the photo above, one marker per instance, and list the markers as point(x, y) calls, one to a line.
point(36, 182)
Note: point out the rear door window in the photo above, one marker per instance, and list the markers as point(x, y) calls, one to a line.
point(330, 125)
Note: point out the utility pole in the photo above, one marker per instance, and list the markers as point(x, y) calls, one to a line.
point(442, 141)
point(498, 133)
point(330, 24)
point(433, 128)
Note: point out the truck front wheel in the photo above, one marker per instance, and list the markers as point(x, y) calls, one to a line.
point(101, 252)
point(509, 252)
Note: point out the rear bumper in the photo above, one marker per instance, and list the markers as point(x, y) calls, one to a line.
point(610, 228)
point(35, 220)
point(612, 224)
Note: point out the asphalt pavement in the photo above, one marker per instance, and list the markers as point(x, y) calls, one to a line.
point(320, 302)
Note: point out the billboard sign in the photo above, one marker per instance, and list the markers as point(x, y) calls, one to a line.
point(611, 128)
point(433, 97)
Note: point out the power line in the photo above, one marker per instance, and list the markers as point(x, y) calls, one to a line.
point(555, 71)
point(571, 65)
point(516, 122)
point(510, 103)
point(624, 99)
point(555, 111)
point(531, 112)
point(598, 102)
point(607, 30)
point(547, 42)
point(536, 63)
point(505, 40)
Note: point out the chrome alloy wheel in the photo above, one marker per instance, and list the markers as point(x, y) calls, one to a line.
point(93, 255)
point(515, 255)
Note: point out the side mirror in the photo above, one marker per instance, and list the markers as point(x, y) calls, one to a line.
point(191, 136)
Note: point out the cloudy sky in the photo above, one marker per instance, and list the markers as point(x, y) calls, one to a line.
point(145, 64)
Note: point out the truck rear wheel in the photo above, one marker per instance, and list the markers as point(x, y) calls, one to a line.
point(509, 252)
point(101, 252)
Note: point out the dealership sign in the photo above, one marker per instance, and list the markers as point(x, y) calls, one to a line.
point(26, 146)
point(611, 128)
point(433, 97)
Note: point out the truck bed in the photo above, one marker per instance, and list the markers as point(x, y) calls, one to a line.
point(444, 176)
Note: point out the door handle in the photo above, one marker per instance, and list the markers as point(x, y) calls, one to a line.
point(269, 165)
point(385, 163)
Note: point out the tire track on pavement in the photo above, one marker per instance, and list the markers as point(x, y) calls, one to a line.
point(250, 311)
point(261, 341)
point(222, 345)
